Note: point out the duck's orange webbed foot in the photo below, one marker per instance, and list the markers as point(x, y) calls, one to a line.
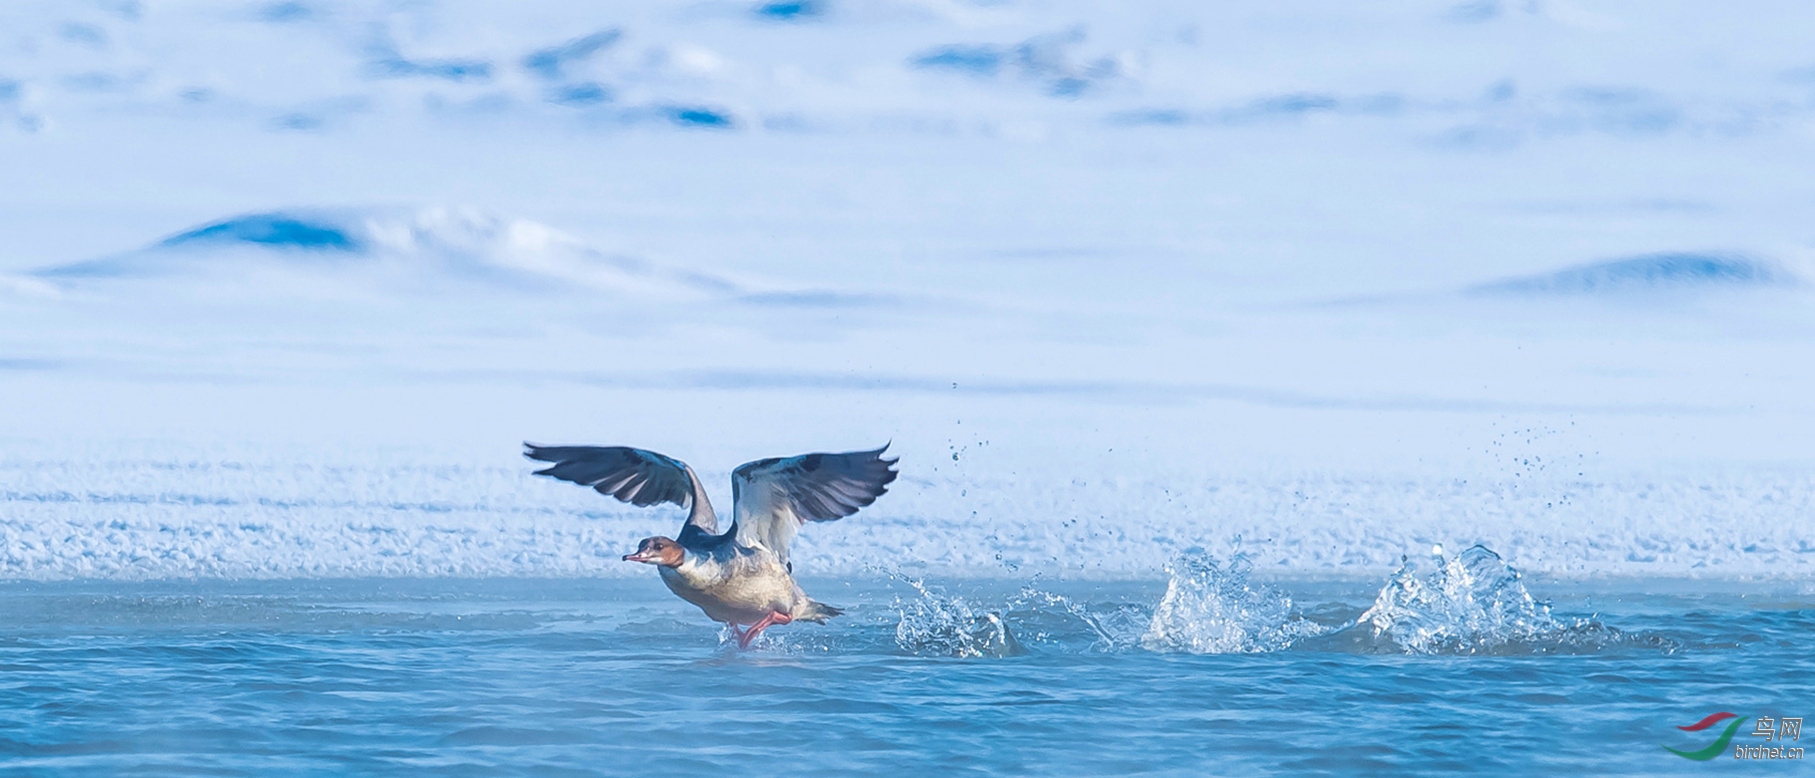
point(745, 638)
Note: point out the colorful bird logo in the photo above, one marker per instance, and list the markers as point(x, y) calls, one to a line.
point(1720, 744)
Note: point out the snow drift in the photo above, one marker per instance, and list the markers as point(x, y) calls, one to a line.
point(427, 245)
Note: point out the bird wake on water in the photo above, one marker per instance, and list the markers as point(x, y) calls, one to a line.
point(741, 577)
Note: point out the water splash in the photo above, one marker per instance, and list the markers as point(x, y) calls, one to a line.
point(938, 624)
point(1211, 608)
point(1469, 603)
point(1046, 620)
point(1474, 603)
point(933, 623)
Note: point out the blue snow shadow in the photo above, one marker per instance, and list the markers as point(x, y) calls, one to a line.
point(282, 231)
point(697, 116)
point(1651, 272)
point(385, 61)
point(550, 64)
point(1044, 60)
point(975, 60)
point(1474, 11)
point(581, 94)
point(791, 10)
point(278, 230)
point(1291, 106)
point(286, 12)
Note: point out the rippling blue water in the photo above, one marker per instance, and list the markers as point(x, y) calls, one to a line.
point(542, 677)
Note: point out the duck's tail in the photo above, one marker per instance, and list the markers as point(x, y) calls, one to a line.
point(817, 612)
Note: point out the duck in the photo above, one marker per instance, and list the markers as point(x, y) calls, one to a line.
point(741, 577)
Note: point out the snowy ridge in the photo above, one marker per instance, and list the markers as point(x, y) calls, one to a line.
point(428, 243)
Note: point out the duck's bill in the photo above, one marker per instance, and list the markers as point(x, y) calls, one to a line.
point(642, 556)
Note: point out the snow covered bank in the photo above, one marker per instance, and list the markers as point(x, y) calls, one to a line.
point(185, 512)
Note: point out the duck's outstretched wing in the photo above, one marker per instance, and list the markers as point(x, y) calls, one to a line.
point(641, 478)
point(772, 498)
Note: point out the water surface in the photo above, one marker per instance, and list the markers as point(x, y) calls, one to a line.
point(984, 677)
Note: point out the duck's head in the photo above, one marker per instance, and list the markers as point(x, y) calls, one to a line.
point(658, 551)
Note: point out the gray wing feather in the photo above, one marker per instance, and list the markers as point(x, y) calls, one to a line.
point(772, 498)
point(636, 476)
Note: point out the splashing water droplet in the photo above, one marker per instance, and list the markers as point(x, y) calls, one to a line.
point(936, 624)
point(1210, 608)
point(1474, 603)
